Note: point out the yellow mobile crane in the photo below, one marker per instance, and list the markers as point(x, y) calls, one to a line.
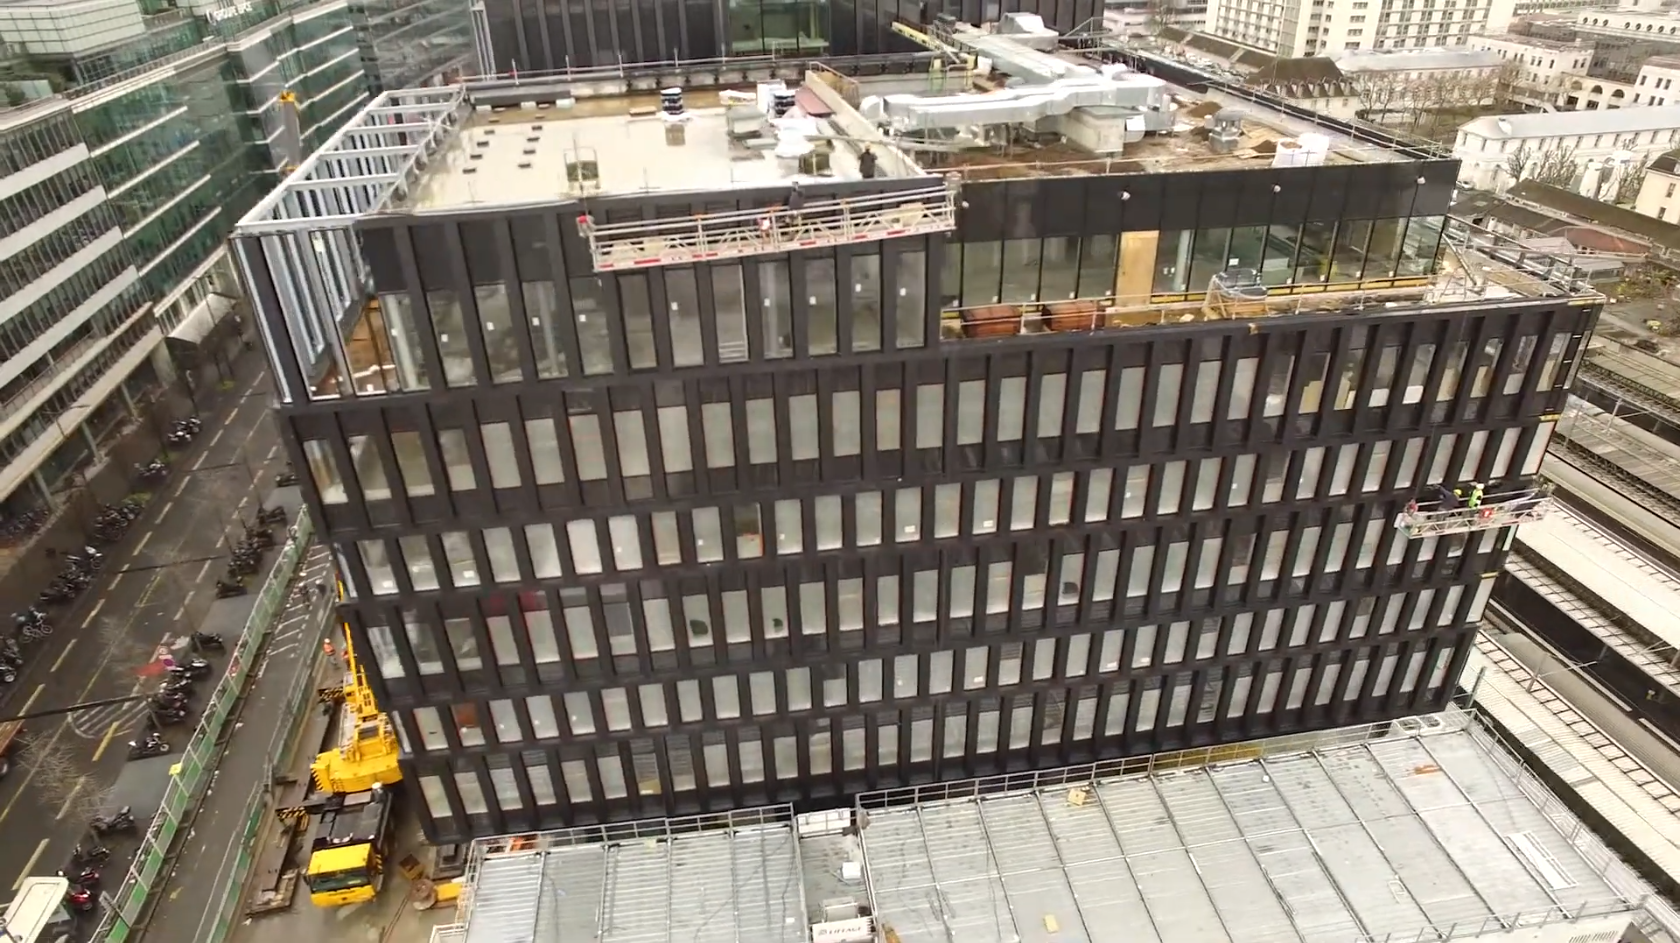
point(348, 802)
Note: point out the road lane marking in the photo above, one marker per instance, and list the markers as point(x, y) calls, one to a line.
point(29, 865)
point(272, 450)
point(179, 612)
point(32, 696)
point(62, 655)
point(143, 538)
point(96, 607)
point(109, 733)
point(201, 571)
point(70, 799)
point(215, 438)
point(198, 464)
point(165, 512)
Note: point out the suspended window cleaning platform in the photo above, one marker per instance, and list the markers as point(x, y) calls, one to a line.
point(816, 224)
point(1505, 509)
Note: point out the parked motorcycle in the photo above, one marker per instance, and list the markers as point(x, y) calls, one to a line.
point(151, 472)
point(287, 478)
point(207, 641)
point(273, 515)
point(151, 744)
point(95, 854)
point(228, 588)
point(159, 719)
point(194, 667)
point(121, 820)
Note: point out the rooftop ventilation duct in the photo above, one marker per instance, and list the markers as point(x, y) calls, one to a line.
point(1142, 94)
point(1028, 29)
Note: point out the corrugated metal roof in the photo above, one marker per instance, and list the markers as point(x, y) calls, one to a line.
point(1574, 123)
point(1643, 810)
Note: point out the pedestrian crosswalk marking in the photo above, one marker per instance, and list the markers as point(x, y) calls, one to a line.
point(94, 722)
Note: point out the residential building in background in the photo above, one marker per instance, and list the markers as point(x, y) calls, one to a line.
point(1290, 28)
point(683, 489)
point(137, 136)
point(1543, 67)
point(1499, 150)
point(1656, 197)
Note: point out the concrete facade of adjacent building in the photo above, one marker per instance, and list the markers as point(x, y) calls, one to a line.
point(1543, 67)
point(1657, 192)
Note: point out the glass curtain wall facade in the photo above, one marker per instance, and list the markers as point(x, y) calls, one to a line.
point(314, 55)
point(410, 43)
point(69, 296)
point(540, 35)
point(769, 530)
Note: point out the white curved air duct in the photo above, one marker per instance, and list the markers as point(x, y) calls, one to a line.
point(1141, 93)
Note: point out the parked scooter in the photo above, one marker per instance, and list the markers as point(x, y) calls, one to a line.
point(273, 515)
point(86, 876)
point(151, 744)
point(160, 718)
point(287, 478)
point(80, 900)
point(121, 820)
point(207, 641)
point(194, 667)
point(228, 588)
point(151, 472)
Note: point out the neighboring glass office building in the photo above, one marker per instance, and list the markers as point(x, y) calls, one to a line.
point(681, 499)
point(119, 193)
point(534, 35)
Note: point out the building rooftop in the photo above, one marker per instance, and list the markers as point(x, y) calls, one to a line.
point(1536, 42)
point(1413, 60)
point(1427, 830)
point(520, 153)
point(1667, 162)
point(1572, 123)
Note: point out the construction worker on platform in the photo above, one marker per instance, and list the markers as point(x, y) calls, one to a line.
point(1448, 500)
point(1475, 500)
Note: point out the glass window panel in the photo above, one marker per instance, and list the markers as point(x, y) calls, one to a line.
point(626, 542)
point(451, 333)
point(417, 558)
point(1052, 395)
point(761, 431)
point(546, 465)
point(908, 514)
point(636, 310)
point(586, 546)
point(674, 448)
point(971, 411)
point(682, 296)
point(730, 307)
point(708, 535)
point(930, 416)
point(777, 300)
point(1097, 494)
point(632, 443)
point(589, 310)
point(458, 551)
point(911, 283)
point(868, 509)
point(947, 510)
point(830, 520)
point(803, 426)
point(588, 447)
point(499, 455)
point(1098, 265)
point(452, 443)
point(370, 470)
point(504, 561)
point(821, 307)
point(789, 536)
point(866, 302)
point(495, 320)
point(1011, 409)
point(985, 507)
point(411, 464)
point(886, 420)
point(847, 423)
point(720, 435)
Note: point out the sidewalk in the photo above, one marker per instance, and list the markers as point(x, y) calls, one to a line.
point(188, 901)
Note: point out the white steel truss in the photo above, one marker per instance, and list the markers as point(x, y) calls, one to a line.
point(1507, 509)
point(816, 224)
point(358, 169)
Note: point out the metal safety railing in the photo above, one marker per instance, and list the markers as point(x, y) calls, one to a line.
point(816, 224)
point(1500, 510)
point(196, 766)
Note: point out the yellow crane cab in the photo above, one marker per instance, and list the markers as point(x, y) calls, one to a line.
point(347, 849)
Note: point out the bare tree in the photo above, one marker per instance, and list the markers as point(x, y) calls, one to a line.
point(1377, 93)
point(1627, 188)
point(1557, 167)
point(55, 771)
point(1156, 15)
point(1518, 162)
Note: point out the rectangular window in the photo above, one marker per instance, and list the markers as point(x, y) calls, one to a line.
point(588, 447)
point(545, 553)
point(847, 423)
point(930, 416)
point(411, 464)
point(632, 443)
point(886, 420)
point(546, 464)
point(719, 431)
point(499, 455)
point(457, 462)
point(761, 431)
point(674, 448)
point(370, 471)
point(802, 426)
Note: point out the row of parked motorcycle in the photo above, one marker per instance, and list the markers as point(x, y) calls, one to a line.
point(246, 559)
point(170, 704)
point(73, 578)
